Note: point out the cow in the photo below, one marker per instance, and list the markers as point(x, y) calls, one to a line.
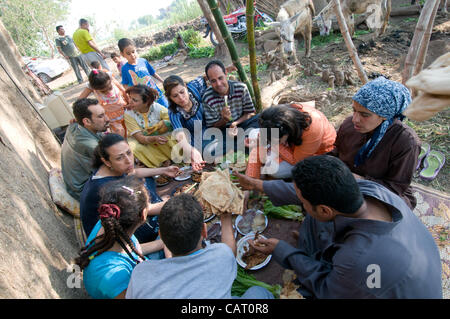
point(295, 17)
point(377, 21)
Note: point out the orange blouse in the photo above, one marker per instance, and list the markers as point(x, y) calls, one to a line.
point(317, 139)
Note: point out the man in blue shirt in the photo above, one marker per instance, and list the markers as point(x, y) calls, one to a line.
point(359, 240)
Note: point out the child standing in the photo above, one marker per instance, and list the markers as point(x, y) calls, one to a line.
point(118, 61)
point(111, 95)
point(138, 70)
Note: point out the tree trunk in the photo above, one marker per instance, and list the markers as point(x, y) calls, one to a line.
point(250, 14)
point(230, 44)
point(349, 43)
point(426, 41)
point(221, 51)
point(416, 43)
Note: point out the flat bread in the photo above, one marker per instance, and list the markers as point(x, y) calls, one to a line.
point(218, 194)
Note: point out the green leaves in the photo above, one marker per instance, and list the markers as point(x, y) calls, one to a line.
point(293, 212)
point(244, 281)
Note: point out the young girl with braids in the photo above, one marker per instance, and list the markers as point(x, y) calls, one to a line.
point(111, 95)
point(112, 251)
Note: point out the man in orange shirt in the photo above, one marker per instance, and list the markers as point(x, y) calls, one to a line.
point(303, 130)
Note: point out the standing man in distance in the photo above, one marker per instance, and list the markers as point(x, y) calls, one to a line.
point(87, 46)
point(66, 48)
point(79, 143)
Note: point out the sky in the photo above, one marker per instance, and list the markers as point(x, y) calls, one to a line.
point(105, 11)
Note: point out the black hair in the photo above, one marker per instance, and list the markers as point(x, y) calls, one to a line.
point(123, 43)
point(113, 55)
point(100, 150)
point(83, 21)
point(148, 94)
point(180, 224)
point(288, 120)
point(95, 65)
point(168, 84)
point(130, 195)
point(98, 79)
point(326, 180)
point(81, 109)
point(58, 27)
point(212, 63)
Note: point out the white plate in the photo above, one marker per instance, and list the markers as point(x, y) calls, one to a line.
point(239, 218)
point(181, 177)
point(243, 242)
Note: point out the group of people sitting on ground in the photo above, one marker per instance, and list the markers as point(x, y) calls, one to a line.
point(354, 185)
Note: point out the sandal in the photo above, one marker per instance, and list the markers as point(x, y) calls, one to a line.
point(424, 150)
point(433, 163)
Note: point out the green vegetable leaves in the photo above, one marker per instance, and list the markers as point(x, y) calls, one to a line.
point(244, 281)
point(287, 211)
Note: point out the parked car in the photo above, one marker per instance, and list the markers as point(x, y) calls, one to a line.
point(47, 69)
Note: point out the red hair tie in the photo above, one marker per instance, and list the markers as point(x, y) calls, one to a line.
point(109, 210)
point(95, 71)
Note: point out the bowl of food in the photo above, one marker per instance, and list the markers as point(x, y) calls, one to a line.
point(184, 174)
point(252, 220)
point(248, 257)
point(161, 180)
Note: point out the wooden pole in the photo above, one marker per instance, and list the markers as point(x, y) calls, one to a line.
point(250, 15)
point(349, 43)
point(230, 44)
point(411, 57)
point(426, 41)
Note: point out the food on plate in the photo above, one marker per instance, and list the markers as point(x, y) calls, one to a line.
point(196, 177)
point(251, 256)
point(252, 220)
point(215, 233)
point(188, 188)
point(184, 173)
point(217, 194)
point(162, 180)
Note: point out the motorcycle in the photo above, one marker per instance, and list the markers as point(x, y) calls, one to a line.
point(237, 24)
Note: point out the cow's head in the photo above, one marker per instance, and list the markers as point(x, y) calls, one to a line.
point(287, 30)
point(324, 24)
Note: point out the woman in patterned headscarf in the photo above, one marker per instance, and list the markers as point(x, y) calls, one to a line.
point(375, 143)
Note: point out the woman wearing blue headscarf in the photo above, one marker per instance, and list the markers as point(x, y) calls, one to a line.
point(375, 143)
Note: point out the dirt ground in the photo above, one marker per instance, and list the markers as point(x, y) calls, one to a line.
point(386, 57)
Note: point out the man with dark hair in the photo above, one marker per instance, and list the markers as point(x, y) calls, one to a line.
point(358, 240)
point(79, 143)
point(227, 104)
point(87, 46)
point(193, 272)
point(66, 48)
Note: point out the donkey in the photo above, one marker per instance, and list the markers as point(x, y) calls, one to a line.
point(378, 20)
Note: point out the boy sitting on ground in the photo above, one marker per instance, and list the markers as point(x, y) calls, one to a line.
point(193, 271)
